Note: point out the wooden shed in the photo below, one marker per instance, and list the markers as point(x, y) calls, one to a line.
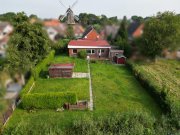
point(61, 70)
point(114, 52)
point(120, 59)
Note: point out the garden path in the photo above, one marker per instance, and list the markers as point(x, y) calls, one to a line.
point(90, 88)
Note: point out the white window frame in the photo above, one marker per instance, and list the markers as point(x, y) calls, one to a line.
point(91, 50)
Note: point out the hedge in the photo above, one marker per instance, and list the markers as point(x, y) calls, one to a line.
point(159, 94)
point(47, 100)
point(27, 87)
point(36, 71)
point(82, 54)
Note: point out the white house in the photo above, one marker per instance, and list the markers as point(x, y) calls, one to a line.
point(5, 29)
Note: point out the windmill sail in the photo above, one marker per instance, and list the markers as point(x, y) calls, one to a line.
point(71, 18)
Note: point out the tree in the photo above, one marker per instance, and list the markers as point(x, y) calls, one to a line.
point(160, 32)
point(91, 19)
point(9, 17)
point(121, 39)
point(27, 46)
point(61, 46)
point(137, 18)
point(70, 32)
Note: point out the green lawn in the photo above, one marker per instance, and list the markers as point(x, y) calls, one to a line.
point(114, 89)
point(79, 86)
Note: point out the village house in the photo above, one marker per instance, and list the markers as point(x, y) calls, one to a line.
point(92, 43)
point(5, 30)
point(110, 30)
point(57, 30)
point(135, 30)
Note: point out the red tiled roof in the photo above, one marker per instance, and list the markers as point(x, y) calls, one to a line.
point(64, 65)
point(53, 22)
point(83, 42)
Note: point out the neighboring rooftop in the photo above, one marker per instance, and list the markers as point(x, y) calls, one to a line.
point(133, 27)
point(91, 34)
point(52, 22)
point(3, 25)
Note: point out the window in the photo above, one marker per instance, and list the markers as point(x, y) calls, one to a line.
point(90, 51)
point(101, 51)
point(74, 51)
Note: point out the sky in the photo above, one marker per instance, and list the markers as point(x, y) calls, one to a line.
point(120, 8)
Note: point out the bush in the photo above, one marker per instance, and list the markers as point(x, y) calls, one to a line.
point(47, 100)
point(61, 46)
point(36, 71)
point(82, 54)
point(117, 124)
point(27, 87)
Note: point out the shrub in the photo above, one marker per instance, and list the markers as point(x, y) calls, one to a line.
point(36, 71)
point(27, 87)
point(82, 54)
point(123, 124)
point(47, 100)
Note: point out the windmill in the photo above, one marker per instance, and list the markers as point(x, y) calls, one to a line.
point(71, 18)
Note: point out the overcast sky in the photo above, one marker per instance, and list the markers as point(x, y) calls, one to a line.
point(52, 8)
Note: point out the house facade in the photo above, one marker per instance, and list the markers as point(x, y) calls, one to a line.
point(92, 43)
point(5, 30)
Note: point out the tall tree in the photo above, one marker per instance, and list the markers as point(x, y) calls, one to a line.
point(161, 32)
point(121, 39)
point(70, 32)
point(27, 46)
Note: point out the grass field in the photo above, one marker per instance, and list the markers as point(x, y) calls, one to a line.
point(114, 90)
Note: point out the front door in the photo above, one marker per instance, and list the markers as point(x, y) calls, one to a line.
point(99, 53)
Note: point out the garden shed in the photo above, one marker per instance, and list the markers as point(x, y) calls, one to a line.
point(61, 70)
point(120, 59)
point(114, 52)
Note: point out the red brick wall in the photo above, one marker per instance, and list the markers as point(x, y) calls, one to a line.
point(93, 35)
point(105, 54)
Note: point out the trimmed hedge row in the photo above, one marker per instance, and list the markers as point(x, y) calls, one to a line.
point(27, 87)
point(159, 94)
point(36, 71)
point(47, 100)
